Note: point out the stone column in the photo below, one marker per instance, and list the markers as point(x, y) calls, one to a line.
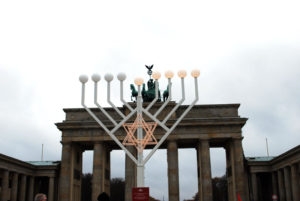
point(240, 180)
point(65, 173)
point(51, 189)
point(287, 182)
point(31, 188)
point(295, 183)
point(281, 185)
point(199, 172)
point(230, 171)
point(98, 170)
point(23, 188)
point(130, 173)
point(254, 186)
point(106, 175)
point(205, 170)
point(173, 177)
point(14, 187)
point(274, 183)
point(5, 183)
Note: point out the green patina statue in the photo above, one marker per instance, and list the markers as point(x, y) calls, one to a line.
point(166, 94)
point(149, 95)
point(134, 92)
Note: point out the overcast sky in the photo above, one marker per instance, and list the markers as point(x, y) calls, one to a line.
point(248, 52)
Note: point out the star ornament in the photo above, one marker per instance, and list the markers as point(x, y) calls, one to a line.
point(131, 129)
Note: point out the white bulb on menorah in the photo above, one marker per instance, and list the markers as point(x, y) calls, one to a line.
point(135, 131)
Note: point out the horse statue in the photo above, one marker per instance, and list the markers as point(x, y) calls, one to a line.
point(166, 94)
point(134, 92)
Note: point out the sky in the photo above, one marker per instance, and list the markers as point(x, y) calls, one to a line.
point(248, 52)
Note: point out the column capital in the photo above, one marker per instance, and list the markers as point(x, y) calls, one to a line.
point(66, 143)
point(204, 139)
point(98, 142)
point(237, 138)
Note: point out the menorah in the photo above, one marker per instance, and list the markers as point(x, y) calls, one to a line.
point(135, 136)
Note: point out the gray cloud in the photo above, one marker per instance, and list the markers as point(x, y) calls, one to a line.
point(255, 63)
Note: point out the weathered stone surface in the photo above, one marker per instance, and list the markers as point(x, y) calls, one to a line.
point(295, 176)
point(14, 190)
point(130, 173)
point(23, 188)
point(5, 182)
point(287, 184)
point(173, 176)
point(97, 186)
point(204, 170)
point(281, 185)
point(51, 189)
point(65, 173)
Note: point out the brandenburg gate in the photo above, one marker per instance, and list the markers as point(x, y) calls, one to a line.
point(200, 127)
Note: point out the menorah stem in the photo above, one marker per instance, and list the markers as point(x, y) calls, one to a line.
point(167, 101)
point(111, 104)
point(99, 106)
point(178, 104)
point(140, 166)
point(82, 93)
point(121, 97)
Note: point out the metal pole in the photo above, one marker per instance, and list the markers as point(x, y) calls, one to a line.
point(267, 147)
point(42, 158)
point(140, 166)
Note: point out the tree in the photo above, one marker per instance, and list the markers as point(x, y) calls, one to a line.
point(220, 192)
point(219, 187)
point(117, 189)
point(86, 187)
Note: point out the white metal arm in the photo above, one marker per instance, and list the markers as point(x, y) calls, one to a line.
point(178, 104)
point(110, 133)
point(97, 104)
point(168, 100)
point(175, 124)
point(121, 96)
point(111, 104)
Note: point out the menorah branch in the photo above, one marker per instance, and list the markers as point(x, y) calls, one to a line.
point(121, 96)
point(168, 100)
point(110, 133)
point(178, 104)
point(141, 140)
point(175, 124)
point(110, 103)
point(98, 105)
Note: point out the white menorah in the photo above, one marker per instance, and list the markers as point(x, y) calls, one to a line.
point(139, 124)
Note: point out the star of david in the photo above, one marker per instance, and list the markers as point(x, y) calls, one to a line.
point(131, 128)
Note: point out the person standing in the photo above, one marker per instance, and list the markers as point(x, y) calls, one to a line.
point(40, 197)
point(103, 197)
